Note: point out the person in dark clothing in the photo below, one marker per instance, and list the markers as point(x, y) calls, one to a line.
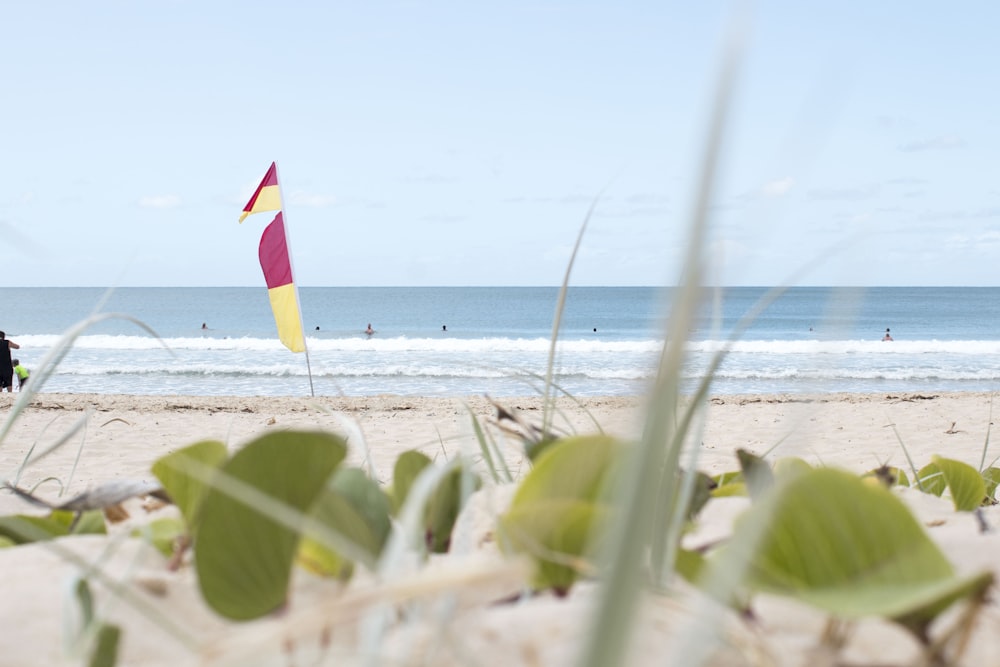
point(6, 367)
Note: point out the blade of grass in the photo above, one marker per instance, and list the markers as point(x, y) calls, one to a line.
point(986, 444)
point(666, 536)
point(909, 460)
point(652, 460)
point(557, 319)
point(564, 392)
point(80, 423)
point(487, 448)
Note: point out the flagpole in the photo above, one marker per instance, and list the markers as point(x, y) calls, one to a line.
point(291, 263)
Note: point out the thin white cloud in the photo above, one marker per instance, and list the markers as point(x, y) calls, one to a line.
point(160, 201)
point(778, 188)
point(941, 143)
point(984, 242)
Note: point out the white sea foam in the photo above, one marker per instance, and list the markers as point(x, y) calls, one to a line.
point(498, 342)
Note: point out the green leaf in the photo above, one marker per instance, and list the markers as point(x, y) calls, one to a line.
point(561, 507)
point(408, 467)
point(89, 523)
point(991, 477)
point(576, 467)
point(691, 565)
point(106, 648)
point(730, 490)
point(24, 529)
point(790, 465)
point(534, 449)
point(931, 480)
point(968, 490)
point(729, 483)
point(888, 476)
point(443, 505)
point(701, 494)
point(86, 600)
point(368, 498)
point(248, 527)
point(336, 512)
point(443, 508)
point(182, 474)
point(558, 534)
point(355, 508)
point(728, 477)
point(853, 549)
point(161, 533)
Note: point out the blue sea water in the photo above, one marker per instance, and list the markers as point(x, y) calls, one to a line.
point(809, 340)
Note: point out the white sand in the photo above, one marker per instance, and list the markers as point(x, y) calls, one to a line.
point(122, 435)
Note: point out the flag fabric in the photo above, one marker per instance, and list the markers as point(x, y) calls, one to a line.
point(277, 266)
point(267, 197)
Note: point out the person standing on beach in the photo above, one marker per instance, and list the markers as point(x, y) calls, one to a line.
point(22, 374)
point(6, 367)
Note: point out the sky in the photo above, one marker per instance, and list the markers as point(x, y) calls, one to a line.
point(463, 143)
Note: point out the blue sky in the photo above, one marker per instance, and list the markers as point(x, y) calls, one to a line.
point(462, 143)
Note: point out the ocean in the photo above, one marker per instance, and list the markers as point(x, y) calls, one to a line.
point(459, 341)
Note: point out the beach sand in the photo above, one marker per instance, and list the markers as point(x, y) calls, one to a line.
point(119, 437)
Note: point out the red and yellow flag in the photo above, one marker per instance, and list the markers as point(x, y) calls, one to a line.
point(277, 266)
point(267, 196)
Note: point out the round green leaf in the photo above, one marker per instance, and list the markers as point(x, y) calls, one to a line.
point(443, 507)
point(574, 468)
point(931, 480)
point(182, 472)
point(790, 465)
point(851, 548)
point(408, 467)
point(161, 533)
point(243, 553)
point(968, 490)
point(558, 533)
point(355, 508)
